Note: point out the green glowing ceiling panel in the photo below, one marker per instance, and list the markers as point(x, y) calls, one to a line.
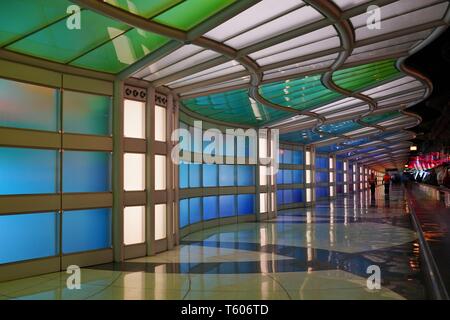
point(122, 51)
point(366, 75)
point(301, 94)
point(144, 8)
point(376, 118)
point(190, 13)
point(22, 17)
point(58, 43)
point(234, 106)
point(182, 15)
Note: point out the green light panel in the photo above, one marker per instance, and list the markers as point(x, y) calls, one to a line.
point(234, 106)
point(59, 43)
point(190, 13)
point(366, 75)
point(373, 119)
point(122, 51)
point(301, 94)
point(21, 17)
point(181, 15)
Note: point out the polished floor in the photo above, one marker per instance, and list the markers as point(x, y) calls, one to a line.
point(309, 253)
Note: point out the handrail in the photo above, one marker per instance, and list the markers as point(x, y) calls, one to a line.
point(437, 287)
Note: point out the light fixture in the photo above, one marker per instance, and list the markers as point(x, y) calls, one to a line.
point(413, 148)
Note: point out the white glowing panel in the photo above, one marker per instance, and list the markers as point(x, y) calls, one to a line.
point(160, 172)
point(262, 175)
point(345, 188)
point(331, 163)
point(308, 176)
point(308, 158)
point(134, 119)
point(273, 201)
point(160, 221)
point(345, 165)
point(331, 177)
point(263, 147)
point(160, 123)
point(133, 225)
point(134, 171)
point(331, 191)
point(308, 195)
point(262, 202)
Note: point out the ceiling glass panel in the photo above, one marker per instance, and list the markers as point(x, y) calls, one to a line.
point(401, 22)
point(296, 43)
point(308, 49)
point(340, 127)
point(185, 63)
point(21, 17)
point(222, 85)
point(305, 66)
point(376, 118)
point(302, 93)
point(261, 12)
point(122, 51)
point(61, 44)
point(234, 106)
point(217, 71)
point(359, 77)
point(190, 13)
point(290, 21)
point(176, 56)
point(347, 4)
point(144, 8)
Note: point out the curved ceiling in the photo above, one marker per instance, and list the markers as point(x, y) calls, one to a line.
point(318, 70)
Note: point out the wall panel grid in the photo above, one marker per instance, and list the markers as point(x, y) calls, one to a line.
point(291, 177)
point(56, 169)
point(223, 191)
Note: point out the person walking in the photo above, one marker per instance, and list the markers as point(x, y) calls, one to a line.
point(372, 183)
point(386, 182)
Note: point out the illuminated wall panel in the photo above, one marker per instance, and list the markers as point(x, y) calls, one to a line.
point(184, 213)
point(160, 172)
point(210, 208)
point(134, 172)
point(160, 123)
point(134, 119)
point(134, 225)
point(263, 202)
point(84, 230)
point(28, 236)
point(246, 204)
point(160, 221)
point(245, 175)
point(210, 175)
point(28, 171)
point(183, 173)
point(195, 210)
point(86, 171)
point(87, 113)
point(227, 206)
point(195, 175)
point(28, 106)
point(226, 175)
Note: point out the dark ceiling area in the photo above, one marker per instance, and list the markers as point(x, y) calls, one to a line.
point(433, 134)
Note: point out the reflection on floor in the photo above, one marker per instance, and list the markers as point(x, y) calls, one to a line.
point(316, 253)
